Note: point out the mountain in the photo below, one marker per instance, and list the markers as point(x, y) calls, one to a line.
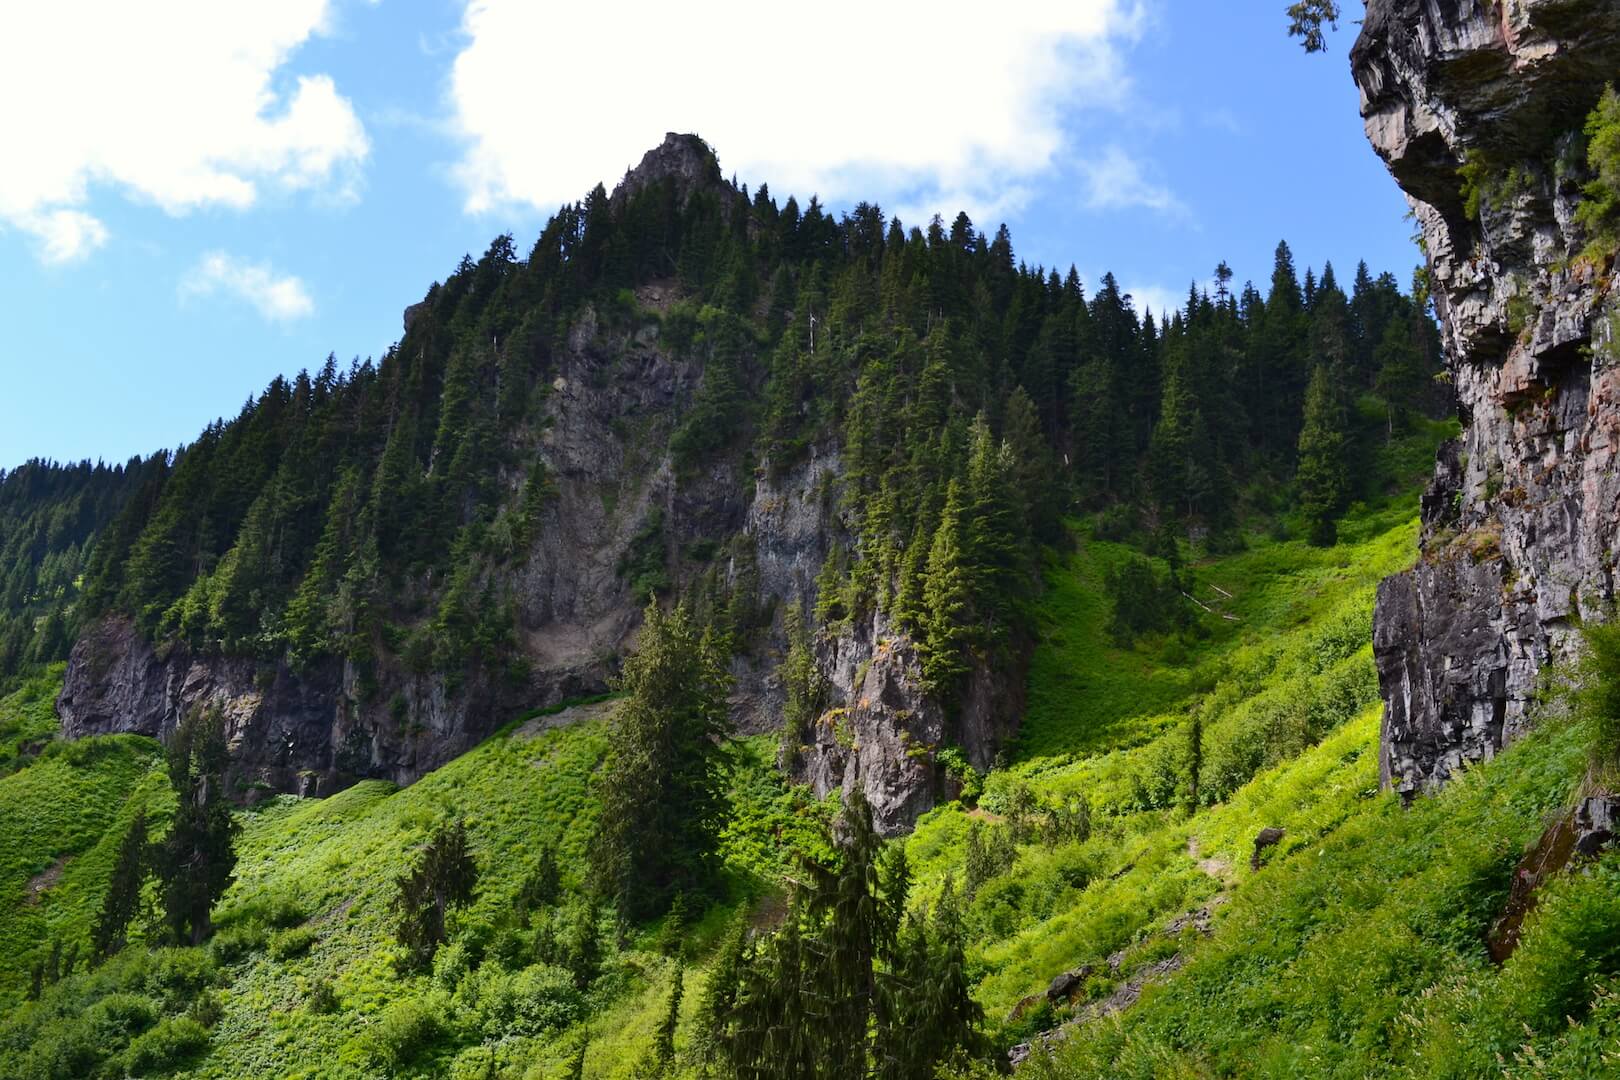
point(683, 390)
point(1107, 621)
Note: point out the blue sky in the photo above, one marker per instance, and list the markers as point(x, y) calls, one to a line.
point(197, 201)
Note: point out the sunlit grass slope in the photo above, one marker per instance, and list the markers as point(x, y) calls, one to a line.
point(300, 981)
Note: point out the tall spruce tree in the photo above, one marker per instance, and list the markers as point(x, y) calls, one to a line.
point(444, 876)
point(662, 784)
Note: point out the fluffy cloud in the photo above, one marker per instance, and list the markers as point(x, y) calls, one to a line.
point(1116, 181)
point(278, 297)
point(175, 104)
point(943, 105)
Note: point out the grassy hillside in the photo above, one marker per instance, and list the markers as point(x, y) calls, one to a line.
point(1357, 947)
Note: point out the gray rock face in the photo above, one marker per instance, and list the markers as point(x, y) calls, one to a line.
point(884, 732)
point(687, 160)
point(1521, 520)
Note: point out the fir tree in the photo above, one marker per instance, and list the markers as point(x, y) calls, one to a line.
point(661, 787)
point(198, 858)
point(1323, 479)
point(947, 601)
point(443, 877)
point(122, 899)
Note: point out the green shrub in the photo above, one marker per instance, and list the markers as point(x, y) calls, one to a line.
point(177, 976)
point(1571, 946)
point(170, 1044)
point(288, 944)
point(322, 997)
point(1600, 212)
point(236, 943)
point(956, 765)
point(405, 1030)
point(536, 1000)
point(1600, 697)
point(119, 1017)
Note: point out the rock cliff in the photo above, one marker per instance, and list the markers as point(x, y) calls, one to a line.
point(1477, 109)
point(617, 391)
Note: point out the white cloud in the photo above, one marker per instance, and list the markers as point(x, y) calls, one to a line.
point(1157, 299)
point(278, 297)
point(1116, 181)
point(175, 105)
point(941, 105)
point(64, 236)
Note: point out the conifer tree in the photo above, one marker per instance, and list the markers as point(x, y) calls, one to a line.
point(847, 904)
point(444, 876)
point(947, 601)
point(1323, 478)
point(544, 883)
point(716, 1023)
point(198, 859)
point(661, 786)
point(122, 899)
point(1400, 373)
point(660, 1057)
point(804, 685)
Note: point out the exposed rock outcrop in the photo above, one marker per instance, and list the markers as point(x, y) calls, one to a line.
point(1521, 521)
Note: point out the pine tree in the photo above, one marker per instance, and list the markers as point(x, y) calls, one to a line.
point(544, 883)
point(122, 900)
point(715, 1022)
point(1400, 374)
point(947, 602)
point(1323, 480)
point(1195, 755)
point(576, 1062)
point(198, 859)
point(847, 905)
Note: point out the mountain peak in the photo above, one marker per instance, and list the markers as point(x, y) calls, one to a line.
point(685, 158)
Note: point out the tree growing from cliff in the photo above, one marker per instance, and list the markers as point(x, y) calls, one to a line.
point(198, 859)
point(947, 601)
point(1600, 210)
point(444, 876)
point(805, 686)
point(662, 784)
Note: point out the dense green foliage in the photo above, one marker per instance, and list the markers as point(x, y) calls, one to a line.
point(1600, 210)
point(50, 517)
point(662, 791)
point(854, 983)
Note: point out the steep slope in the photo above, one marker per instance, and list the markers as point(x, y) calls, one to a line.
point(1478, 108)
point(368, 572)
